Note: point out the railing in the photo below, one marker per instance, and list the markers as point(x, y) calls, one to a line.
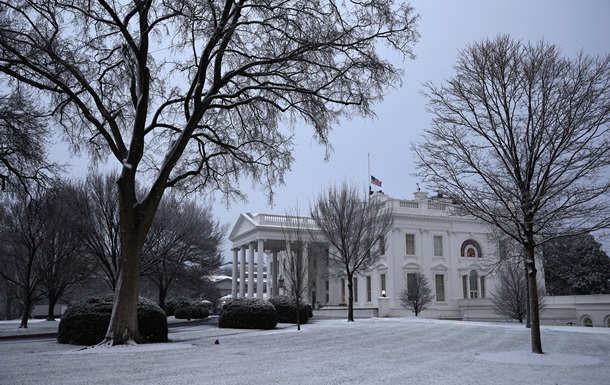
point(284, 220)
point(409, 204)
point(437, 206)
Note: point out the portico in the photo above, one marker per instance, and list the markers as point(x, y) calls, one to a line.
point(264, 236)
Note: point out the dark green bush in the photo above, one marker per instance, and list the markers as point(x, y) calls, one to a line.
point(248, 313)
point(176, 303)
point(85, 322)
point(191, 312)
point(286, 308)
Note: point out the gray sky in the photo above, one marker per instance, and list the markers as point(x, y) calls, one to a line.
point(446, 26)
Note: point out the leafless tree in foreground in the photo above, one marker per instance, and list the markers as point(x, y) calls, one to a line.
point(197, 95)
point(417, 295)
point(521, 138)
point(355, 228)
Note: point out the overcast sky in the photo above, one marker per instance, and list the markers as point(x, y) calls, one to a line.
point(446, 26)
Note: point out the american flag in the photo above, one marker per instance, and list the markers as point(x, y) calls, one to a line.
point(375, 181)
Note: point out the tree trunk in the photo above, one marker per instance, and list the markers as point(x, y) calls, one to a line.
point(123, 325)
point(51, 309)
point(162, 296)
point(350, 298)
point(52, 297)
point(528, 319)
point(27, 309)
point(298, 314)
point(135, 221)
point(533, 296)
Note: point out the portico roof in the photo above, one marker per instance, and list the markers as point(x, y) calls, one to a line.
point(251, 227)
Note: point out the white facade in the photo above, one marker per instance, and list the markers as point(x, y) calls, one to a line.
point(452, 250)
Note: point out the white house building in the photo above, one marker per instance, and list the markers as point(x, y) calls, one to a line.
point(454, 252)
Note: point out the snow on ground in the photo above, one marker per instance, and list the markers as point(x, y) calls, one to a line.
point(368, 351)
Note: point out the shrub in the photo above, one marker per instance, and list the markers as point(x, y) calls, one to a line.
point(85, 322)
point(176, 303)
point(248, 313)
point(286, 308)
point(191, 312)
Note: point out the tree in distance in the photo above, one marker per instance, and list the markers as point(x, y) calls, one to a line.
point(355, 229)
point(510, 296)
point(417, 295)
point(197, 95)
point(576, 265)
point(40, 246)
point(295, 262)
point(520, 137)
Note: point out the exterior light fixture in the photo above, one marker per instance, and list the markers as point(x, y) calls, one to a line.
point(383, 293)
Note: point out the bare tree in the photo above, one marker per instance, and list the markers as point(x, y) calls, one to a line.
point(354, 228)
point(295, 261)
point(23, 129)
point(40, 247)
point(511, 296)
point(520, 137)
point(417, 295)
point(196, 95)
point(66, 264)
point(97, 204)
point(183, 246)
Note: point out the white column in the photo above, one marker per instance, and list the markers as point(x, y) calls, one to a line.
point(251, 270)
point(307, 274)
point(234, 275)
point(276, 269)
point(242, 272)
point(260, 280)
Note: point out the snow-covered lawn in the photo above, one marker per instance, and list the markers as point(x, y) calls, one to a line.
point(368, 351)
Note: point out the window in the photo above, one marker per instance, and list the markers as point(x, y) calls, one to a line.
point(474, 284)
point(440, 287)
point(471, 249)
point(342, 290)
point(411, 284)
point(410, 244)
point(465, 286)
point(482, 286)
point(587, 322)
point(438, 245)
point(368, 288)
point(355, 289)
point(382, 280)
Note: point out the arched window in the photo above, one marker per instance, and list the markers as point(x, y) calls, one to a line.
point(587, 322)
point(471, 249)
